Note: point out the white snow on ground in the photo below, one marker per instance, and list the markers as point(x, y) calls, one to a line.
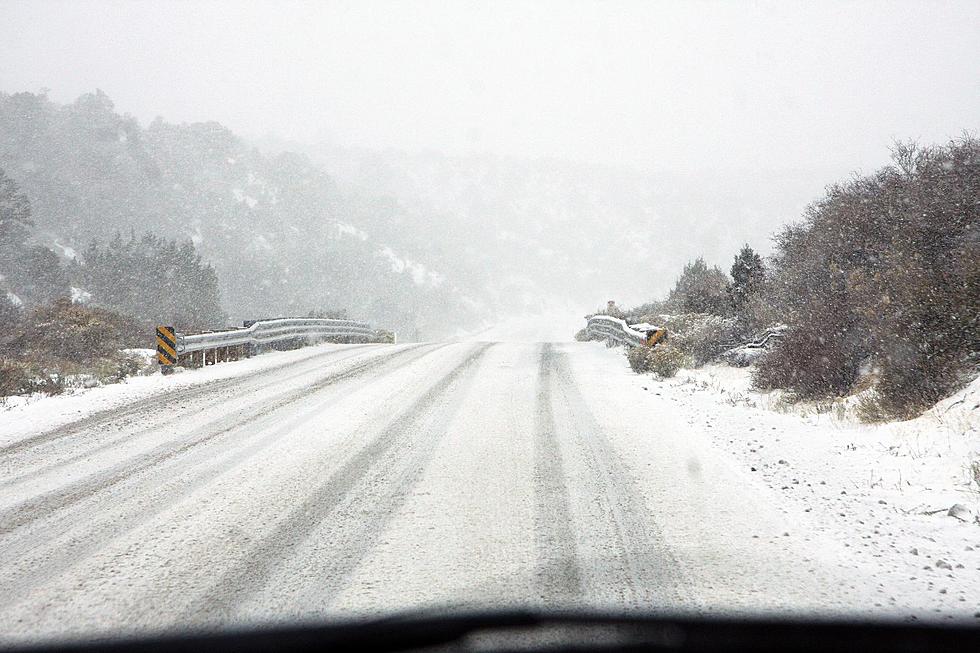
point(421, 275)
point(881, 491)
point(14, 299)
point(344, 228)
point(21, 416)
point(395, 477)
point(80, 295)
point(66, 251)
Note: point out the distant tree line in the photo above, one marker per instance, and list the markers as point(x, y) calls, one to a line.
point(158, 281)
point(28, 271)
point(58, 318)
point(281, 236)
point(149, 278)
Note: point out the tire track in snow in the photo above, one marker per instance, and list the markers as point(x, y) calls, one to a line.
point(175, 414)
point(641, 568)
point(57, 500)
point(362, 496)
point(142, 408)
point(558, 572)
point(37, 564)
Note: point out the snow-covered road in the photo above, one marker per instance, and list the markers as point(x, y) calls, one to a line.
point(359, 480)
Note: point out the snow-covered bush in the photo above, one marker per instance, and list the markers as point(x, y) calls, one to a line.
point(809, 363)
point(27, 377)
point(383, 335)
point(885, 267)
point(72, 332)
point(666, 360)
point(13, 378)
point(663, 360)
point(117, 367)
point(63, 344)
point(637, 357)
point(700, 337)
point(869, 408)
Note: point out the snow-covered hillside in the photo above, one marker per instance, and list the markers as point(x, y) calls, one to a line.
point(565, 231)
point(283, 239)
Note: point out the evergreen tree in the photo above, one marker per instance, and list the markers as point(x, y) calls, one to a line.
point(700, 289)
point(748, 275)
point(30, 272)
point(155, 280)
point(746, 290)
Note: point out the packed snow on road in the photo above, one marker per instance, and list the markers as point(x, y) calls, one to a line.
point(344, 479)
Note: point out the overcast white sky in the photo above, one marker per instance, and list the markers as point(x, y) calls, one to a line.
point(676, 85)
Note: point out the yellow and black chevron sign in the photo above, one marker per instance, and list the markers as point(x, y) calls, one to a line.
point(653, 337)
point(166, 345)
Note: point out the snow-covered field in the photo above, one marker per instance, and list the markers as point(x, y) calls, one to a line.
point(359, 480)
point(903, 497)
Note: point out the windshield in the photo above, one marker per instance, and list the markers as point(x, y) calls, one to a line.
point(334, 310)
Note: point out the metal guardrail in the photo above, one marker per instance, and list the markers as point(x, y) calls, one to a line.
point(744, 354)
point(767, 335)
point(270, 331)
point(614, 330)
point(208, 348)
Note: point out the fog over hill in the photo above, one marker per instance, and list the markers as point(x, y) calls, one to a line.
point(447, 164)
point(551, 230)
point(428, 244)
point(283, 239)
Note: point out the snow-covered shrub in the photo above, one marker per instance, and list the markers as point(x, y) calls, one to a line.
point(885, 267)
point(582, 335)
point(662, 360)
point(117, 367)
point(809, 363)
point(637, 357)
point(63, 344)
point(13, 378)
point(869, 408)
point(700, 337)
point(72, 332)
point(21, 378)
point(383, 335)
point(665, 360)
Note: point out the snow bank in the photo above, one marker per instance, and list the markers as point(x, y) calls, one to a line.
point(21, 416)
point(882, 492)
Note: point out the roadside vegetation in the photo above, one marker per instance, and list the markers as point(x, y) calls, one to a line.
point(82, 321)
point(875, 290)
point(62, 345)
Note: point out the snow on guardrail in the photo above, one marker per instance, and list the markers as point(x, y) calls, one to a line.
point(197, 349)
point(747, 353)
point(616, 331)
